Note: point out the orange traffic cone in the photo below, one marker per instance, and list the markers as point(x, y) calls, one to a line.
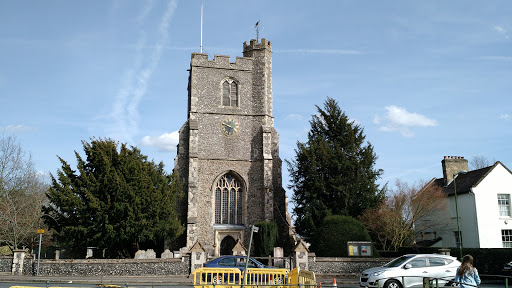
point(334, 282)
point(319, 284)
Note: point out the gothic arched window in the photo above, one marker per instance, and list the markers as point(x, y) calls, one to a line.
point(229, 93)
point(228, 200)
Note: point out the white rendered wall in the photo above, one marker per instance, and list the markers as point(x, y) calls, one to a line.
point(490, 224)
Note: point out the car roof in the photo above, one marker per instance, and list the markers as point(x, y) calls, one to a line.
point(432, 255)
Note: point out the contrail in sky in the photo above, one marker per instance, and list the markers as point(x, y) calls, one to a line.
point(125, 107)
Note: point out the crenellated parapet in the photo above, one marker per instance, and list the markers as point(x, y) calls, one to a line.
point(221, 62)
point(255, 45)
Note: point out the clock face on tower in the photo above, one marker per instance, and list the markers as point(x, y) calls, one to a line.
point(229, 127)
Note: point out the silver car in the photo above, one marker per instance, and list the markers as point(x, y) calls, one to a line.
point(411, 270)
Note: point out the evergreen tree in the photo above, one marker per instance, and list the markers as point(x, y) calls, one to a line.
point(116, 200)
point(333, 172)
point(266, 238)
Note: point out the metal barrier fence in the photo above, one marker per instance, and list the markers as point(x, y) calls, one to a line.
point(256, 277)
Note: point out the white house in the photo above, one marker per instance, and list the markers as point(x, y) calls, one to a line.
point(484, 210)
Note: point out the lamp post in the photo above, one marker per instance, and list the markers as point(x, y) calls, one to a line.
point(253, 229)
point(457, 210)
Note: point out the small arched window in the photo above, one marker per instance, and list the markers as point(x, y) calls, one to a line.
point(229, 93)
point(228, 200)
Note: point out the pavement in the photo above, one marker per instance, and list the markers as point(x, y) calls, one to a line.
point(326, 279)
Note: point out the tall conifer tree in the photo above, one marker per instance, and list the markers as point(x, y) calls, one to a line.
point(333, 171)
point(117, 200)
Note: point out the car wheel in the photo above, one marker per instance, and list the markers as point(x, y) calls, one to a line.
point(452, 284)
point(217, 279)
point(392, 283)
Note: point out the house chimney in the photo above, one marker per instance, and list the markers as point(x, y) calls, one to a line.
point(452, 165)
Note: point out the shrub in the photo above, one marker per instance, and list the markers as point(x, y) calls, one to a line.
point(332, 236)
point(5, 250)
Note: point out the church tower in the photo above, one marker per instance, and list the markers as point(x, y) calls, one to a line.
point(228, 153)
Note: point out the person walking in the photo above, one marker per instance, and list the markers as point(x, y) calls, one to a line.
point(467, 275)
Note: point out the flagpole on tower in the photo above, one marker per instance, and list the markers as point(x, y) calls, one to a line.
point(201, 48)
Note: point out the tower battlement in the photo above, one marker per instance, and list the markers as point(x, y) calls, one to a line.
point(254, 45)
point(221, 61)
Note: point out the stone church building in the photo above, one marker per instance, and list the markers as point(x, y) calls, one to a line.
point(228, 152)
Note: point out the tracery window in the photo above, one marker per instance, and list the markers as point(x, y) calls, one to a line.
point(228, 200)
point(229, 93)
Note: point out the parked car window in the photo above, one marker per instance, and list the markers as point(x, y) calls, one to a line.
point(435, 261)
point(418, 262)
point(227, 262)
point(252, 264)
point(241, 263)
point(398, 261)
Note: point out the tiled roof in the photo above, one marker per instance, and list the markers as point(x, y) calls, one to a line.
point(465, 182)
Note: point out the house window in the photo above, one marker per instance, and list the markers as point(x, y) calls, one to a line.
point(228, 200)
point(504, 204)
point(506, 238)
point(229, 93)
point(458, 241)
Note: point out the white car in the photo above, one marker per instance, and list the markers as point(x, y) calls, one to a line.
point(411, 270)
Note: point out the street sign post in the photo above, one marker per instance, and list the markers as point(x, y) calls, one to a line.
point(40, 232)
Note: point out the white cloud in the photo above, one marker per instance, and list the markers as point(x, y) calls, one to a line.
point(399, 119)
point(502, 31)
point(354, 121)
point(505, 116)
point(164, 142)
point(294, 117)
point(15, 128)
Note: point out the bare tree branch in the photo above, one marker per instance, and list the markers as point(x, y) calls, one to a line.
point(479, 161)
point(405, 213)
point(21, 195)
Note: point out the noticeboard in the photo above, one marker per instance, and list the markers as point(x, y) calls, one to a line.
point(359, 248)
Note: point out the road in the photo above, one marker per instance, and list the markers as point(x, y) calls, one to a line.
point(159, 282)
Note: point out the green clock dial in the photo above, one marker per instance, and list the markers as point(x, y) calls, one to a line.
point(229, 127)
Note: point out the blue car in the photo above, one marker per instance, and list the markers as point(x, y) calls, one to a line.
point(234, 262)
point(238, 262)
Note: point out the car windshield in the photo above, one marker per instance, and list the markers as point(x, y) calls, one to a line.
point(398, 261)
point(258, 263)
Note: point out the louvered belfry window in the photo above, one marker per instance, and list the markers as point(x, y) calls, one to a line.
point(229, 93)
point(228, 200)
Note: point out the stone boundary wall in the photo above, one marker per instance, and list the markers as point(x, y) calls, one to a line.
point(5, 264)
point(113, 267)
point(343, 266)
point(179, 266)
point(101, 267)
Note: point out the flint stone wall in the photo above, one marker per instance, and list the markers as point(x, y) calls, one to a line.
point(175, 266)
point(343, 266)
point(109, 267)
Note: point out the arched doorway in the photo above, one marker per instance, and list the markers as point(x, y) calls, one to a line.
point(227, 245)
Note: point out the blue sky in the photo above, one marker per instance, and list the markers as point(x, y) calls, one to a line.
point(424, 79)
